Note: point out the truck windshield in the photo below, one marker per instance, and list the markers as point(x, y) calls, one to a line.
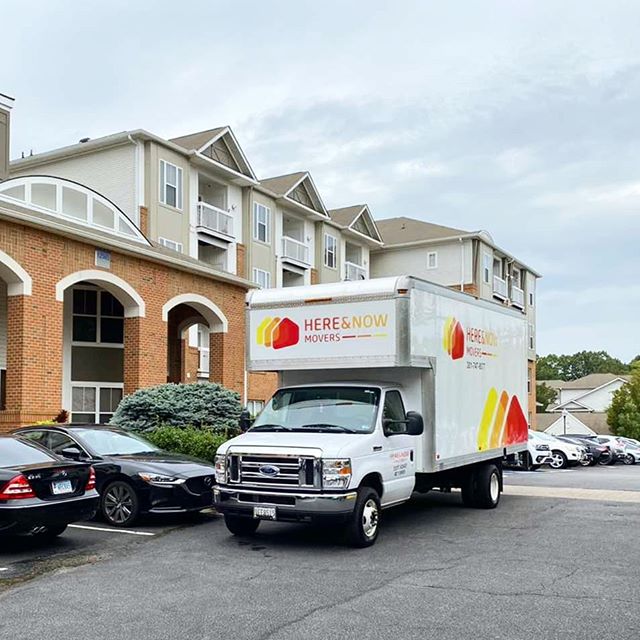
point(321, 409)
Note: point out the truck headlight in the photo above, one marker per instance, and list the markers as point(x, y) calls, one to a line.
point(336, 473)
point(159, 480)
point(221, 468)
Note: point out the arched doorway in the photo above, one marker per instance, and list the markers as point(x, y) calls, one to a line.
point(95, 307)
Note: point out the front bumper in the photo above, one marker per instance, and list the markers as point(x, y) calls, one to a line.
point(174, 499)
point(542, 457)
point(290, 507)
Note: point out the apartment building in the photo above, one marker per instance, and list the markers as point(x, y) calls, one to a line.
point(466, 261)
point(90, 307)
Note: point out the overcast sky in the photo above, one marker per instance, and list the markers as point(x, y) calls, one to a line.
point(522, 118)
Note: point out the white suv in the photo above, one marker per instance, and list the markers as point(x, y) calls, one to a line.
point(538, 452)
point(563, 454)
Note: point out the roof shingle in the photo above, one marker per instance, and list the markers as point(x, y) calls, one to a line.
point(402, 229)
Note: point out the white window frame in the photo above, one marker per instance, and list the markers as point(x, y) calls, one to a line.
point(164, 183)
point(171, 244)
point(258, 209)
point(254, 407)
point(487, 267)
point(265, 283)
point(531, 336)
point(434, 255)
point(330, 251)
point(97, 386)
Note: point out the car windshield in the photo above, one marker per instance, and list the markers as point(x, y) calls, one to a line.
point(106, 442)
point(15, 453)
point(330, 409)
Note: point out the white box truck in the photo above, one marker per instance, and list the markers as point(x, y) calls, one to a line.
point(386, 387)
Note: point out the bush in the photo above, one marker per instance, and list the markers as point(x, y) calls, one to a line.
point(200, 443)
point(623, 414)
point(202, 406)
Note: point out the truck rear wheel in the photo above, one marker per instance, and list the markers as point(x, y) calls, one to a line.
point(362, 530)
point(240, 525)
point(481, 490)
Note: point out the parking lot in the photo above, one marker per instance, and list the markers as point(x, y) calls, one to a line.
point(537, 567)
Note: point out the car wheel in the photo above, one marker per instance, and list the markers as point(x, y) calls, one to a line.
point(605, 459)
point(241, 525)
point(481, 490)
point(593, 462)
point(558, 460)
point(629, 459)
point(362, 530)
point(119, 504)
point(585, 462)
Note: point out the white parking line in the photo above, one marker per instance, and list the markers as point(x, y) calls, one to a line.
point(598, 495)
point(133, 533)
point(4, 568)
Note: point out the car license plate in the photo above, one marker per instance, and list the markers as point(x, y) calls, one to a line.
point(61, 486)
point(264, 513)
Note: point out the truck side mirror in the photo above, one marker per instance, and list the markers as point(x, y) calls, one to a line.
point(245, 420)
point(415, 423)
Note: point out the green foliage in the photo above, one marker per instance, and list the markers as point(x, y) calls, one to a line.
point(199, 443)
point(545, 396)
point(578, 365)
point(202, 406)
point(623, 415)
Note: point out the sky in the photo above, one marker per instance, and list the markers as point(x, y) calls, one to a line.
point(521, 118)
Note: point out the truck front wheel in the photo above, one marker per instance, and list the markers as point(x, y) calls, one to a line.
point(240, 525)
point(362, 530)
point(481, 488)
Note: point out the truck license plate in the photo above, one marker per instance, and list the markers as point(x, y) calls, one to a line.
point(61, 486)
point(264, 513)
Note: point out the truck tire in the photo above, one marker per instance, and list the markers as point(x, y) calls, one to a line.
point(240, 525)
point(362, 530)
point(481, 489)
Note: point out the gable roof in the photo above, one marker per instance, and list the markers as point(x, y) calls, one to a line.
point(358, 220)
point(552, 384)
point(401, 230)
point(281, 185)
point(594, 380)
point(596, 421)
point(297, 189)
point(195, 141)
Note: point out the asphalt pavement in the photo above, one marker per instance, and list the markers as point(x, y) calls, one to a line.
point(538, 568)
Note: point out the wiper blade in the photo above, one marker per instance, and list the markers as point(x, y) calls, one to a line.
point(328, 427)
point(270, 427)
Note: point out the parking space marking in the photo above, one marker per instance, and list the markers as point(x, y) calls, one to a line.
point(4, 568)
point(599, 495)
point(129, 531)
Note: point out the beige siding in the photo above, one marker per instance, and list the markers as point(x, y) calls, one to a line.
point(4, 144)
point(326, 274)
point(261, 255)
point(3, 324)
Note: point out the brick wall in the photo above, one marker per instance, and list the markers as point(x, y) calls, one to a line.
point(261, 385)
point(35, 323)
point(241, 265)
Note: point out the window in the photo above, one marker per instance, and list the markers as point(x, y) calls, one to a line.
point(263, 278)
point(528, 379)
point(98, 317)
point(516, 276)
point(170, 184)
point(531, 342)
point(94, 403)
point(432, 260)
point(171, 244)
point(330, 251)
point(394, 410)
point(254, 407)
point(261, 223)
point(531, 298)
point(487, 263)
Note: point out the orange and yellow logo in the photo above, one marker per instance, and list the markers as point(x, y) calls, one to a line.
point(277, 333)
point(453, 338)
point(503, 422)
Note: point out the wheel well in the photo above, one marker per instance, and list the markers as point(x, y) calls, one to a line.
point(114, 478)
point(373, 480)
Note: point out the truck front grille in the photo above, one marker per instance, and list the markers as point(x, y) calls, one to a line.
point(286, 472)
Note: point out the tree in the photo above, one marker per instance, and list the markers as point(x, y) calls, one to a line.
point(578, 365)
point(623, 415)
point(545, 396)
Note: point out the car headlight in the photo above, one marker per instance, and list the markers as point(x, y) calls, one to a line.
point(221, 468)
point(336, 473)
point(542, 447)
point(159, 480)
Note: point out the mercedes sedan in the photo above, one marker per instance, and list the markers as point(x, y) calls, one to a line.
point(133, 476)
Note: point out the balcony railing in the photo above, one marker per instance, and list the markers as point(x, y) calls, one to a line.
point(214, 219)
point(295, 250)
point(499, 287)
point(354, 271)
point(517, 297)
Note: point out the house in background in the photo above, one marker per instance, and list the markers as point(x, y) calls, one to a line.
point(582, 405)
point(466, 261)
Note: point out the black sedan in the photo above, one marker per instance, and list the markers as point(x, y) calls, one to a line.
point(133, 476)
point(41, 493)
point(594, 449)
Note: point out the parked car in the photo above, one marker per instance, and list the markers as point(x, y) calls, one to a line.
point(563, 454)
point(631, 450)
point(616, 446)
point(595, 449)
point(607, 457)
point(133, 476)
point(41, 493)
point(537, 453)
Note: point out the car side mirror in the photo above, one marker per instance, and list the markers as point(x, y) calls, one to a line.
point(245, 421)
point(415, 423)
point(73, 453)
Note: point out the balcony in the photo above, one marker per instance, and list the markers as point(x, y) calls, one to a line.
point(517, 297)
point(499, 287)
point(214, 220)
point(353, 271)
point(295, 250)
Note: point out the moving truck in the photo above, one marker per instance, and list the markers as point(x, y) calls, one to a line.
point(386, 387)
